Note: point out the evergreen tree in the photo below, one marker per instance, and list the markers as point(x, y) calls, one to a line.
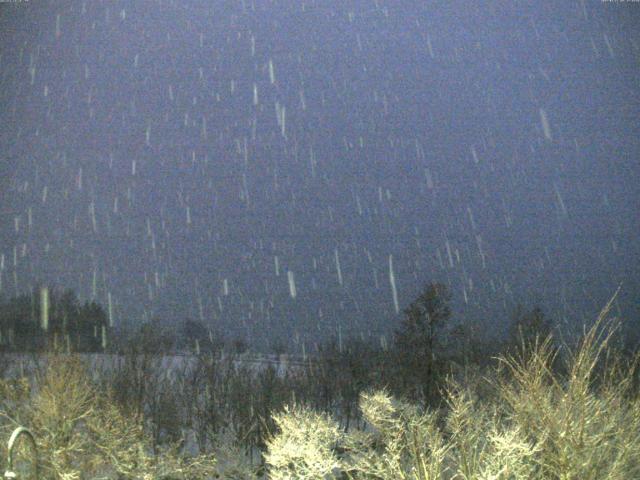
point(81, 325)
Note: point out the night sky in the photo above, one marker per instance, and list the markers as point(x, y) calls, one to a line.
point(288, 170)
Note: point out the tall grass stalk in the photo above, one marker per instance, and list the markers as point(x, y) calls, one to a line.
point(538, 424)
point(82, 434)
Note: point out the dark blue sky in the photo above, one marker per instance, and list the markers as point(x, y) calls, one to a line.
point(179, 159)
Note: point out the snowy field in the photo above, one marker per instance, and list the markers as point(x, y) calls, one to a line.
point(17, 364)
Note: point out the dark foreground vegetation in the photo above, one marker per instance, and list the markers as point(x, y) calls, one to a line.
point(426, 407)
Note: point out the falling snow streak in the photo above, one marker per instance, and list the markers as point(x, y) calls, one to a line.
point(190, 171)
point(545, 124)
point(392, 281)
point(338, 269)
point(292, 284)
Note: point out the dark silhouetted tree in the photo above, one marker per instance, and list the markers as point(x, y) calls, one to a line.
point(239, 345)
point(80, 326)
point(418, 340)
point(195, 337)
point(526, 326)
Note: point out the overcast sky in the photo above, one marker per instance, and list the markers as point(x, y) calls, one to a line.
point(282, 169)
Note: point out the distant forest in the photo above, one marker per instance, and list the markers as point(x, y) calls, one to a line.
point(427, 331)
point(69, 324)
point(73, 326)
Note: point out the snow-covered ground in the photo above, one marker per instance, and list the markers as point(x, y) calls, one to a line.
point(25, 363)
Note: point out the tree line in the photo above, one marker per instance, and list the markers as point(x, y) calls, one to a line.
point(424, 333)
point(47, 319)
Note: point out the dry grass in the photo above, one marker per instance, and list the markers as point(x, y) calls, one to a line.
point(584, 429)
point(80, 432)
point(523, 420)
point(536, 426)
point(304, 448)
